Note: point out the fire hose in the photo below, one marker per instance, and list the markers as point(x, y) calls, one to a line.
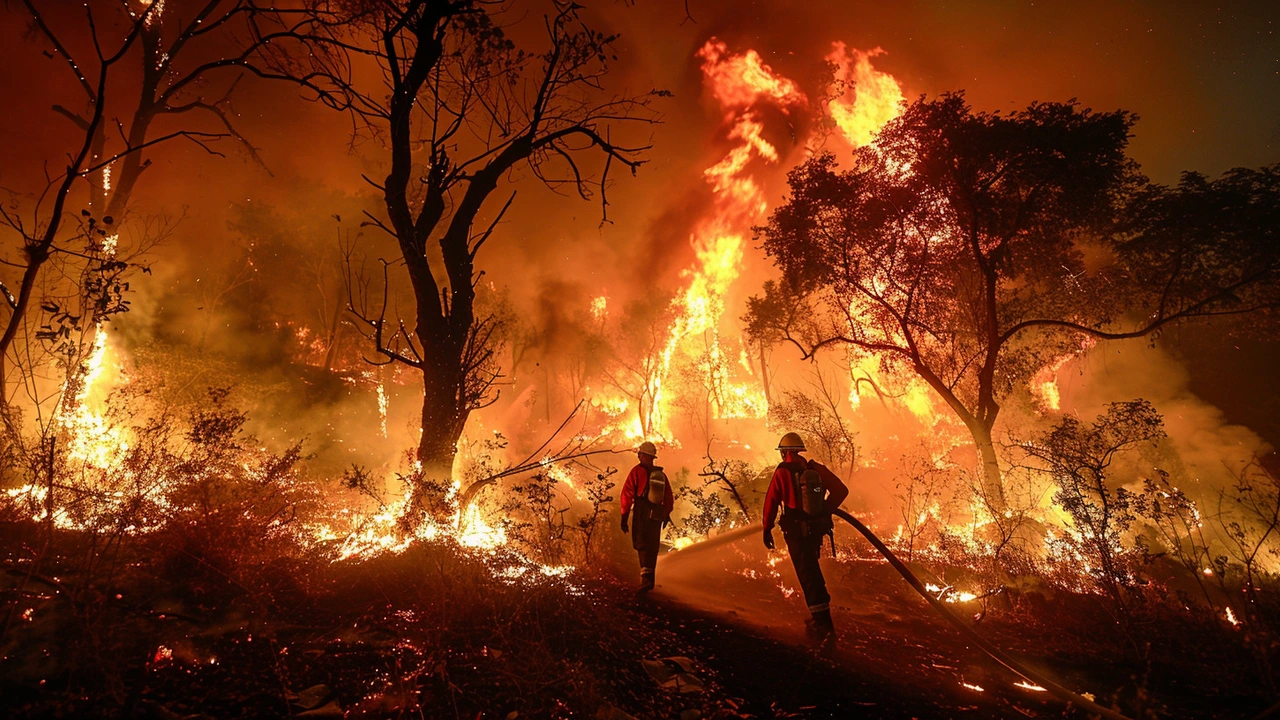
point(983, 644)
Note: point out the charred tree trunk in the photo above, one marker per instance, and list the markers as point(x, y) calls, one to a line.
point(450, 71)
point(992, 480)
point(442, 420)
point(979, 429)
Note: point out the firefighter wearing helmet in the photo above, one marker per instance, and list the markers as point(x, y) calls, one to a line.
point(647, 491)
point(806, 491)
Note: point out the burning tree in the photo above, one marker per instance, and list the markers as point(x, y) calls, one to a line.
point(123, 52)
point(1080, 458)
point(635, 367)
point(973, 248)
point(818, 419)
point(143, 76)
point(460, 108)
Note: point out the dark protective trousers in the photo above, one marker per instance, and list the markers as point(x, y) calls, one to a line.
point(805, 547)
point(646, 532)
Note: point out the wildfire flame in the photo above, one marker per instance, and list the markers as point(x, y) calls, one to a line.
point(950, 594)
point(743, 85)
point(868, 98)
point(1044, 384)
point(600, 307)
point(740, 82)
point(359, 537)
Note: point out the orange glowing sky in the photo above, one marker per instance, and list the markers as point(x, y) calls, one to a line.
point(1205, 79)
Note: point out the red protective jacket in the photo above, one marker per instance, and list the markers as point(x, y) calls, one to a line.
point(637, 484)
point(782, 491)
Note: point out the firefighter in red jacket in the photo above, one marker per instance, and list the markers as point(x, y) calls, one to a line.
point(646, 489)
point(807, 491)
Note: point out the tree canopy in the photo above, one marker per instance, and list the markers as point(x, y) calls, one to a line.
point(971, 248)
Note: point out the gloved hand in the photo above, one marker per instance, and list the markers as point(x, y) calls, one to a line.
point(666, 521)
point(768, 539)
point(624, 524)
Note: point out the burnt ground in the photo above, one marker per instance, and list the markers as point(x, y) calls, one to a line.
point(441, 634)
point(893, 653)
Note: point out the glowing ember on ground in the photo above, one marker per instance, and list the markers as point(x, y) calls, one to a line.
point(976, 688)
point(1028, 686)
point(950, 594)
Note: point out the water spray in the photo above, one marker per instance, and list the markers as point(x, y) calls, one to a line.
point(983, 644)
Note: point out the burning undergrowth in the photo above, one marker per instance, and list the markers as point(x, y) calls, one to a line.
point(181, 556)
point(185, 537)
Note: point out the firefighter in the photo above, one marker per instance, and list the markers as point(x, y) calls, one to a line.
point(646, 489)
point(807, 492)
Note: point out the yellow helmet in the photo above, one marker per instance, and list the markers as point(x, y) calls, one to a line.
point(647, 448)
point(791, 441)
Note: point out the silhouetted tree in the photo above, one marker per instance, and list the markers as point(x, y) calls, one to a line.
point(1080, 457)
point(635, 366)
point(460, 107)
point(1203, 248)
point(149, 73)
point(971, 248)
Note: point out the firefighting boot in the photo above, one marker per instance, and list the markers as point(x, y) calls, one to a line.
point(646, 580)
point(820, 624)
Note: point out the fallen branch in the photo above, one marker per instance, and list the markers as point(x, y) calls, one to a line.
point(469, 494)
point(566, 453)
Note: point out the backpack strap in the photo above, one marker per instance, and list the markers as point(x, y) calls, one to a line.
point(795, 469)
